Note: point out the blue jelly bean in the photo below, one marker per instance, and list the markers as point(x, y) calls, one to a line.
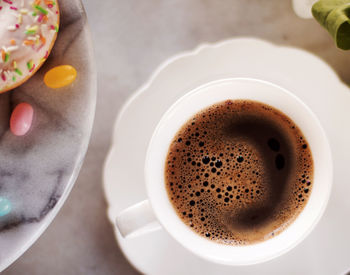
point(5, 206)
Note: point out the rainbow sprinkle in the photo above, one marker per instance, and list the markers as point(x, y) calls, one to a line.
point(41, 9)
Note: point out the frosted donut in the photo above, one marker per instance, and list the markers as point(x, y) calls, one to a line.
point(28, 30)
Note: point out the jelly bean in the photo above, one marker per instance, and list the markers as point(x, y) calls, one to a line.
point(5, 206)
point(60, 76)
point(21, 119)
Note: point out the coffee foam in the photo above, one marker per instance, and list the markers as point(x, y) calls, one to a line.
point(234, 189)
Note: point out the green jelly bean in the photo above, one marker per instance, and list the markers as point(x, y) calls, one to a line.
point(5, 206)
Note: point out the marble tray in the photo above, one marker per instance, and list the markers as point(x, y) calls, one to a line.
point(37, 171)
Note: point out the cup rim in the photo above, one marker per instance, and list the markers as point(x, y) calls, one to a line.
point(184, 228)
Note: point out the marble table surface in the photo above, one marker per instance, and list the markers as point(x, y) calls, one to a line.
point(38, 170)
point(131, 39)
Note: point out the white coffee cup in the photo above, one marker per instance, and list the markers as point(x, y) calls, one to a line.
point(158, 209)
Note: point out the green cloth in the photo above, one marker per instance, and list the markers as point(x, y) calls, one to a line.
point(334, 15)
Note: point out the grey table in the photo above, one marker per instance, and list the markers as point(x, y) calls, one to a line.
point(131, 39)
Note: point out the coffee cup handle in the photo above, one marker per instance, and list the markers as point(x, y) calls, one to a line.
point(137, 220)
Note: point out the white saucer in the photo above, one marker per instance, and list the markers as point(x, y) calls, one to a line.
point(326, 250)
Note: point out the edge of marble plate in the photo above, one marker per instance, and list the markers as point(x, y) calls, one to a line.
point(70, 183)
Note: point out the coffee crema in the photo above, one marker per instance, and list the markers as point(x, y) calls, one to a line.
point(239, 172)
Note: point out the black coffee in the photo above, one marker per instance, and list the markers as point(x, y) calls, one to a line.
point(239, 172)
